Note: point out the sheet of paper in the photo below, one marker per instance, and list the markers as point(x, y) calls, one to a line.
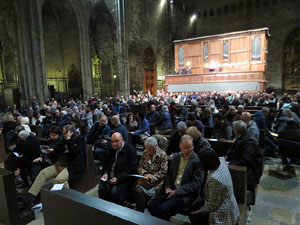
point(38, 207)
point(103, 179)
point(136, 175)
point(16, 154)
point(57, 187)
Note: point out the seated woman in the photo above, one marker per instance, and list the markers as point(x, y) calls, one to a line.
point(154, 167)
point(131, 123)
point(199, 141)
point(220, 206)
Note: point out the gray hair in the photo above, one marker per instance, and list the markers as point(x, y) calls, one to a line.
point(240, 107)
point(19, 128)
point(287, 112)
point(151, 142)
point(265, 110)
point(181, 125)
point(239, 126)
point(23, 135)
point(25, 120)
point(186, 138)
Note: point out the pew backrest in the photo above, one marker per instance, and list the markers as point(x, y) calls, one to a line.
point(70, 207)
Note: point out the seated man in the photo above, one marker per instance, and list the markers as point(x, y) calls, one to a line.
point(153, 115)
point(182, 184)
point(252, 129)
point(154, 167)
point(222, 128)
point(99, 136)
point(70, 152)
point(192, 121)
point(245, 152)
point(175, 137)
point(120, 161)
point(28, 149)
point(143, 128)
point(118, 127)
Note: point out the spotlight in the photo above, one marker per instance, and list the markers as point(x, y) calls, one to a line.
point(115, 76)
point(171, 1)
point(193, 17)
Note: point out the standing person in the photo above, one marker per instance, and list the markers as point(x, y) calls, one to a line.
point(154, 167)
point(120, 161)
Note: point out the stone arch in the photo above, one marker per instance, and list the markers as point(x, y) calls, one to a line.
point(291, 61)
point(103, 39)
point(62, 49)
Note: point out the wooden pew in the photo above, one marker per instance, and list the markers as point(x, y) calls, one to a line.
point(2, 149)
point(69, 207)
point(239, 181)
point(91, 177)
point(208, 131)
point(135, 109)
point(221, 146)
point(9, 213)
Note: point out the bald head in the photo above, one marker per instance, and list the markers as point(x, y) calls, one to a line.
point(246, 117)
point(117, 141)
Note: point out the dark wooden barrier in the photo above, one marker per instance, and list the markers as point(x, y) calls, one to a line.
point(69, 207)
point(208, 131)
point(135, 109)
point(2, 149)
point(9, 213)
point(239, 181)
point(91, 177)
point(221, 146)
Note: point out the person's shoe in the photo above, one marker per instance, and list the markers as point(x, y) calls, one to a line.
point(28, 201)
point(23, 185)
point(18, 180)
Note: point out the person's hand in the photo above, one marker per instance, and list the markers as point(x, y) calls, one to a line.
point(105, 176)
point(39, 159)
point(49, 150)
point(148, 176)
point(113, 180)
point(168, 190)
point(196, 212)
point(171, 194)
point(21, 155)
point(66, 151)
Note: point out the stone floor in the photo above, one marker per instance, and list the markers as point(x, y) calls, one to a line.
point(277, 202)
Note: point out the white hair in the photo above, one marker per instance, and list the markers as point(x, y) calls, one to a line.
point(151, 142)
point(25, 120)
point(24, 135)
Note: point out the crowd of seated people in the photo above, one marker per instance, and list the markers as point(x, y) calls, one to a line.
point(179, 119)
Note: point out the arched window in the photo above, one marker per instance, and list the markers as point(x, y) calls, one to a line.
point(225, 50)
point(249, 4)
point(205, 51)
point(211, 12)
point(256, 49)
point(181, 56)
point(257, 4)
point(204, 14)
point(219, 11)
point(275, 2)
point(265, 3)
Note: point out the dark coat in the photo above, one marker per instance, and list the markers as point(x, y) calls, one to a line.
point(152, 117)
point(245, 152)
point(192, 178)
point(260, 120)
point(76, 157)
point(122, 130)
point(8, 126)
point(173, 146)
point(97, 133)
point(126, 163)
point(164, 122)
point(30, 148)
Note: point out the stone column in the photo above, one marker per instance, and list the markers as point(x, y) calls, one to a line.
point(32, 76)
point(123, 87)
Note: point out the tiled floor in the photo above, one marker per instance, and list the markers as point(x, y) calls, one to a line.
point(277, 202)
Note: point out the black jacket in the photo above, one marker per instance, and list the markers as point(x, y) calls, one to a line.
point(30, 148)
point(126, 163)
point(245, 152)
point(192, 178)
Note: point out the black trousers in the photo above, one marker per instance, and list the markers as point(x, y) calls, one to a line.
point(141, 199)
point(112, 192)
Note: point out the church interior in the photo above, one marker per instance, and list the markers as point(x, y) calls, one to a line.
point(87, 60)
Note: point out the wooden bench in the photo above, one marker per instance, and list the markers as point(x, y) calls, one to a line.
point(69, 207)
point(9, 213)
point(2, 148)
point(221, 146)
point(239, 181)
point(91, 177)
